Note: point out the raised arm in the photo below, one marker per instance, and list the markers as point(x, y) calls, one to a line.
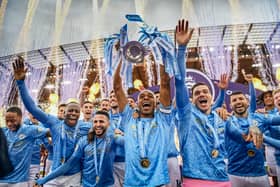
point(183, 36)
point(164, 88)
point(223, 84)
point(118, 89)
point(19, 74)
point(252, 91)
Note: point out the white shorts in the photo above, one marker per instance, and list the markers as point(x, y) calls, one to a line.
point(174, 172)
point(48, 166)
point(278, 173)
point(65, 181)
point(239, 181)
point(33, 171)
point(270, 160)
point(20, 184)
point(118, 173)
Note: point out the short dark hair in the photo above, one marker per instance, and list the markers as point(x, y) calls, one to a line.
point(61, 105)
point(261, 97)
point(236, 93)
point(131, 97)
point(91, 133)
point(200, 84)
point(103, 112)
point(15, 109)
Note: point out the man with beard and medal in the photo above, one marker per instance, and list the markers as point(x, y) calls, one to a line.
point(246, 160)
point(96, 152)
point(146, 134)
point(65, 133)
point(200, 129)
point(20, 140)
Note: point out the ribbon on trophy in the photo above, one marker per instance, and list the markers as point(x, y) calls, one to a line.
point(112, 61)
point(132, 52)
point(162, 48)
point(110, 42)
point(126, 68)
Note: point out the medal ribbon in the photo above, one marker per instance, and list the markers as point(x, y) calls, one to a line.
point(63, 135)
point(213, 129)
point(119, 122)
point(143, 132)
point(98, 169)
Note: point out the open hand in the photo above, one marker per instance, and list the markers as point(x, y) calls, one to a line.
point(247, 77)
point(223, 83)
point(256, 136)
point(19, 70)
point(223, 113)
point(118, 132)
point(183, 34)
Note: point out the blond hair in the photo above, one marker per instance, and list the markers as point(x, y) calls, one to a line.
point(276, 91)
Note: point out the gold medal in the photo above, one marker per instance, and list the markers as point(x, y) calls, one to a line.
point(145, 162)
point(62, 160)
point(214, 153)
point(97, 179)
point(136, 114)
point(251, 153)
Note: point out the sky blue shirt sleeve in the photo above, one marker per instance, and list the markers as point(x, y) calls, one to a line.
point(219, 100)
point(252, 92)
point(266, 120)
point(272, 142)
point(182, 95)
point(126, 114)
point(233, 132)
point(38, 132)
point(30, 105)
point(67, 166)
point(273, 120)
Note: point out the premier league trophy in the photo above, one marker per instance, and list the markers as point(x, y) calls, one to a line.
point(134, 52)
